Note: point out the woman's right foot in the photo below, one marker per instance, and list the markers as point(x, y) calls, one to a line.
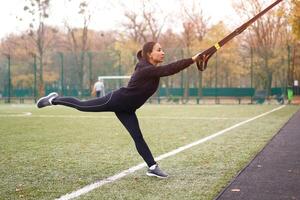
point(47, 100)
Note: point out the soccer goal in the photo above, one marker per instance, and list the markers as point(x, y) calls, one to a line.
point(114, 82)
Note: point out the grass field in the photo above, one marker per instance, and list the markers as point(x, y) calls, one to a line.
point(50, 152)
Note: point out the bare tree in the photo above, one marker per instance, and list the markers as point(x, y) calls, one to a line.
point(145, 25)
point(78, 41)
point(136, 28)
point(188, 37)
point(196, 16)
point(195, 28)
point(154, 26)
point(38, 10)
point(264, 35)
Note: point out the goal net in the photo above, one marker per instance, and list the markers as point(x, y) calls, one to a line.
point(113, 82)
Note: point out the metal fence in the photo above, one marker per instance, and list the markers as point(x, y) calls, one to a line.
point(74, 74)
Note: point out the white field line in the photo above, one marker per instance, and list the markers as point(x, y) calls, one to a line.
point(131, 170)
point(23, 114)
point(28, 114)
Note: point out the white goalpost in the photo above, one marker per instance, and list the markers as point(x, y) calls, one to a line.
point(113, 82)
point(114, 77)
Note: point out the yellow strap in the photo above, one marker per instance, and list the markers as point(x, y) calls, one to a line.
point(217, 46)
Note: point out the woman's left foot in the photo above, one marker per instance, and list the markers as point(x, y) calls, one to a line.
point(47, 100)
point(157, 172)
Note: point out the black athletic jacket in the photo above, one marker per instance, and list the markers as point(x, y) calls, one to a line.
point(144, 82)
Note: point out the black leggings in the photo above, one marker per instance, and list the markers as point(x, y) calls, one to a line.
point(108, 104)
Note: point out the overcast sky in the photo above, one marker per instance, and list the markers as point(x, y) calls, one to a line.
point(106, 15)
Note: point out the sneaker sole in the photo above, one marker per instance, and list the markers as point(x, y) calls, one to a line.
point(154, 175)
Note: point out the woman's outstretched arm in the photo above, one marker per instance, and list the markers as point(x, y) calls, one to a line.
point(169, 69)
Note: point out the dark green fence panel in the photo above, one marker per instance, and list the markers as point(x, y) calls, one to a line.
point(276, 91)
point(193, 92)
point(24, 92)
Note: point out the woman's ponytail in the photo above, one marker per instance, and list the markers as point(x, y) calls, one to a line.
point(139, 55)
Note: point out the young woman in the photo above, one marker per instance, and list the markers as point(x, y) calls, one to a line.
point(126, 100)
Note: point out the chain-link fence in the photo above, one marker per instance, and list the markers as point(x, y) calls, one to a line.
point(230, 73)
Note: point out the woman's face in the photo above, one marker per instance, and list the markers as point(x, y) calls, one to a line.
point(157, 55)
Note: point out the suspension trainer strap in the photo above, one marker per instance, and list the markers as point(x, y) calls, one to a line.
point(205, 55)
